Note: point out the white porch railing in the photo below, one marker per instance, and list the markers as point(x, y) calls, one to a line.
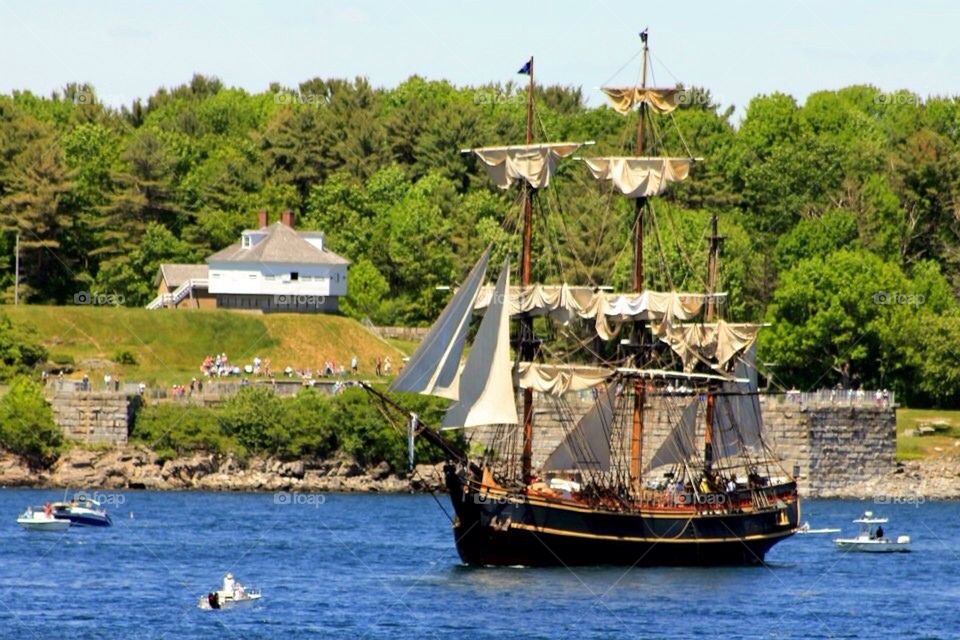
point(181, 292)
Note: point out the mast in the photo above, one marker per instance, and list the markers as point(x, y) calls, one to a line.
point(713, 268)
point(639, 386)
point(640, 202)
point(711, 313)
point(528, 347)
point(708, 432)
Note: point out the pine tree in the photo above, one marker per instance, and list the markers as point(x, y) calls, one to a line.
point(34, 205)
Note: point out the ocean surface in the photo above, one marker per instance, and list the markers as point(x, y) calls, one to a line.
point(380, 566)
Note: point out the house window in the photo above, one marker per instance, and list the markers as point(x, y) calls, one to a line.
point(246, 241)
point(270, 276)
point(294, 275)
point(253, 276)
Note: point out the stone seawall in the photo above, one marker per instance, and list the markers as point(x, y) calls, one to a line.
point(833, 446)
point(94, 417)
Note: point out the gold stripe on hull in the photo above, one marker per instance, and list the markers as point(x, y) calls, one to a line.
point(595, 536)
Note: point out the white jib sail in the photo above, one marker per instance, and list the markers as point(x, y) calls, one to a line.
point(486, 394)
point(435, 365)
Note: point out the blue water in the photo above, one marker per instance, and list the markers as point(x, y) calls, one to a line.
point(373, 566)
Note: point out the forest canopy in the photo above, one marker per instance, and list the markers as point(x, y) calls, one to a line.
point(840, 215)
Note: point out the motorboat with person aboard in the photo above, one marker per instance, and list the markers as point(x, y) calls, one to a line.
point(231, 594)
point(806, 529)
point(42, 519)
point(872, 538)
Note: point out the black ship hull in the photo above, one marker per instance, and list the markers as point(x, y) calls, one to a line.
point(503, 528)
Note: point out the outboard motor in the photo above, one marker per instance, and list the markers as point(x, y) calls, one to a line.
point(213, 599)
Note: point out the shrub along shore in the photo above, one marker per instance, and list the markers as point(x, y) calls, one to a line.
point(253, 425)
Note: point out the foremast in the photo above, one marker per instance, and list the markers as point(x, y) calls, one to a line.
point(528, 345)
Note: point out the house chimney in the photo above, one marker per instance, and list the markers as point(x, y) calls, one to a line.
point(287, 218)
point(261, 219)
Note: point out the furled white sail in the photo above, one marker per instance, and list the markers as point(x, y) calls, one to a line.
point(680, 445)
point(434, 367)
point(715, 344)
point(486, 394)
point(587, 446)
point(534, 164)
point(624, 99)
point(637, 177)
point(558, 379)
point(563, 303)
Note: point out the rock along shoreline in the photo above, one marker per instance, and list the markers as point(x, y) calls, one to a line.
point(139, 468)
point(136, 468)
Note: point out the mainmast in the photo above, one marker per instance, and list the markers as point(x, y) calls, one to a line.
point(640, 203)
point(639, 386)
point(528, 344)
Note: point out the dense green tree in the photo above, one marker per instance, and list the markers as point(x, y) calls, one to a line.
point(26, 424)
point(35, 205)
point(367, 290)
point(20, 349)
point(852, 318)
point(109, 193)
point(143, 195)
point(131, 281)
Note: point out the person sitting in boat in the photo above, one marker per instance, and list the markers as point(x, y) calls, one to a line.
point(47, 509)
point(879, 532)
point(228, 583)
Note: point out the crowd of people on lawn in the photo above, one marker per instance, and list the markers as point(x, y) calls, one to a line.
point(219, 366)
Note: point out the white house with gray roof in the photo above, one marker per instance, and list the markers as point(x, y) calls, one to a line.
point(276, 268)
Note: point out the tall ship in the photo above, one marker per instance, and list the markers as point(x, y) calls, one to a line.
point(666, 461)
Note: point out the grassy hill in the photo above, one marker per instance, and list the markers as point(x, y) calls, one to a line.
point(943, 441)
point(169, 345)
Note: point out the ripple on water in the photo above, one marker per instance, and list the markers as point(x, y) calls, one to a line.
point(380, 566)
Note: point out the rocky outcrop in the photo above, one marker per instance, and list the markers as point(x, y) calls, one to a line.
point(140, 468)
point(910, 482)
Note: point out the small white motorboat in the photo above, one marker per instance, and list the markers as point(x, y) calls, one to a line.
point(41, 520)
point(872, 538)
point(805, 528)
point(230, 595)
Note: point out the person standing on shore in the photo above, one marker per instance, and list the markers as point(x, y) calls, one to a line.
point(354, 365)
